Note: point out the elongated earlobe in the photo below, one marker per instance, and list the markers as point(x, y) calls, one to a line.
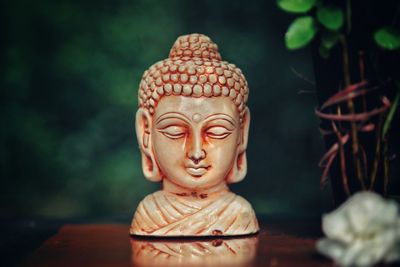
point(239, 168)
point(143, 132)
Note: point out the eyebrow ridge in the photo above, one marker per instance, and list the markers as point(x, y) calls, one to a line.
point(230, 120)
point(169, 115)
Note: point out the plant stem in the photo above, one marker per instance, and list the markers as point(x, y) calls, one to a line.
point(350, 105)
point(377, 158)
point(385, 130)
point(346, 68)
point(364, 161)
point(392, 111)
point(348, 16)
point(385, 166)
point(361, 63)
point(342, 160)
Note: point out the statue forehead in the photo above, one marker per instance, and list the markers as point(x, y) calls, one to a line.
point(196, 108)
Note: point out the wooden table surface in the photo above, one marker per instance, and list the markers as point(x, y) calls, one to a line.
point(100, 245)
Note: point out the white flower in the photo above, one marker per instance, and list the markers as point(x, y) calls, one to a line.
point(364, 231)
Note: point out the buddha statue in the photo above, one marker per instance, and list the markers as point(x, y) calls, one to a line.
point(192, 127)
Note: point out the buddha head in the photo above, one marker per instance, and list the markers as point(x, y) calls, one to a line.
point(192, 123)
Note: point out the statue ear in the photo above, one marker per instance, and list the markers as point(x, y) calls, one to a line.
point(143, 132)
point(239, 168)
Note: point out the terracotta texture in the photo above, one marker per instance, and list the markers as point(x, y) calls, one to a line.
point(192, 127)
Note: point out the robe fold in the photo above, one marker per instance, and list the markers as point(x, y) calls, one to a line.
point(166, 214)
point(201, 252)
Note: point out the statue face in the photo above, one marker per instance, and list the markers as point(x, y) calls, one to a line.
point(195, 140)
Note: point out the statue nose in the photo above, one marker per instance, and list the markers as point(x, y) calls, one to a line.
point(196, 156)
point(196, 152)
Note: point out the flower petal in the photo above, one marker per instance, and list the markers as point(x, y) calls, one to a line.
point(362, 232)
point(331, 248)
point(336, 226)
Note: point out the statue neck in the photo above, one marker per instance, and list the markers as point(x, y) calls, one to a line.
point(175, 189)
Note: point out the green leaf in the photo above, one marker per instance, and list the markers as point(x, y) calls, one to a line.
point(331, 17)
point(387, 38)
point(329, 39)
point(300, 32)
point(323, 51)
point(296, 6)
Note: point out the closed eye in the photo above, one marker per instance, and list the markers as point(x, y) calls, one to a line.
point(218, 132)
point(173, 131)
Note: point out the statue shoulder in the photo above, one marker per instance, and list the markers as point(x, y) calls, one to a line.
point(240, 218)
point(246, 206)
point(247, 210)
point(151, 197)
point(148, 217)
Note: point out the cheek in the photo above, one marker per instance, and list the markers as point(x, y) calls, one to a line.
point(168, 152)
point(223, 152)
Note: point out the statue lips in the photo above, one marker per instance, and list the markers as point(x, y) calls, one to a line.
point(197, 170)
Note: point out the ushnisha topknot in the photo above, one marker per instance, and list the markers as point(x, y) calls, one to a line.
point(194, 68)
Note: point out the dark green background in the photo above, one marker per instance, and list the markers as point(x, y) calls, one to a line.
point(70, 73)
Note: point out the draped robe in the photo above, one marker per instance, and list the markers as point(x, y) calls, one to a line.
point(196, 252)
point(166, 214)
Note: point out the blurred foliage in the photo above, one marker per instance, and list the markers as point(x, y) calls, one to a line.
point(331, 19)
point(300, 32)
point(69, 86)
point(388, 38)
point(296, 6)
